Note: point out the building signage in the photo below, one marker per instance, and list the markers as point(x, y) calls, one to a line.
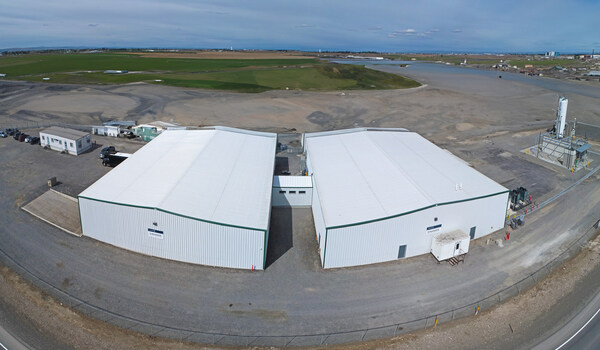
point(155, 233)
point(434, 229)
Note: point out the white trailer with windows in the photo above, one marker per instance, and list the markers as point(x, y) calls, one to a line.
point(201, 196)
point(65, 140)
point(384, 194)
point(292, 191)
point(106, 130)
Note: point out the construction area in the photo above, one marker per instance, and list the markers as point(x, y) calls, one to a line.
point(561, 145)
point(294, 301)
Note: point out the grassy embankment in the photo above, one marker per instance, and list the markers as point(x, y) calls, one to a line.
point(243, 75)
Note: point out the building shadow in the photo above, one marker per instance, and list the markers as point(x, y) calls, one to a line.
point(280, 234)
point(282, 166)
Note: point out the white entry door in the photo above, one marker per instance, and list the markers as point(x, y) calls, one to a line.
point(457, 250)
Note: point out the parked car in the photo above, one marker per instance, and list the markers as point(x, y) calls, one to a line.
point(16, 135)
point(10, 131)
point(107, 150)
point(22, 137)
point(3, 134)
point(34, 140)
point(112, 160)
point(27, 139)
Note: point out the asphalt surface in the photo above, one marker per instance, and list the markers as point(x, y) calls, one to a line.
point(586, 337)
point(294, 301)
point(582, 330)
point(18, 332)
point(293, 296)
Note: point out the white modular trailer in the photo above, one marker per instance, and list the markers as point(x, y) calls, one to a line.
point(382, 194)
point(450, 244)
point(292, 191)
point(66, 140)
point(106, 130)
point(201, 196)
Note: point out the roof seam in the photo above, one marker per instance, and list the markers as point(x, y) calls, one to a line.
point(400, 170)
point(239, 153)
point(359, 169)
point(190, 165)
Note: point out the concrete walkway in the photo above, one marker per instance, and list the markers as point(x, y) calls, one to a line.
point(58, 210)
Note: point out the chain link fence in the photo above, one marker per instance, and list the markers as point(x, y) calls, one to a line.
point(198, 336)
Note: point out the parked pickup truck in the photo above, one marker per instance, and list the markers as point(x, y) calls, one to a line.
point(114, 159)
point(106, 151)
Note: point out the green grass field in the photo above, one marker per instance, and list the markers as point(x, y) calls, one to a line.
point(243, 75)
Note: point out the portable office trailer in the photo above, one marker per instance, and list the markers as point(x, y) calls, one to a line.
point(292, 191)
point(201, 196)
point(450, 244)
point(383, 194)
point(106, 130)
point(65, 140)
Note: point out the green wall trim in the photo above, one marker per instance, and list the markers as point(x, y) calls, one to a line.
point(80, 222)
point(265, 251)
point(414, 211)
point(176, 214)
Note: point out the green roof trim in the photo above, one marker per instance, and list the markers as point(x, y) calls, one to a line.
point(173, 213)
point(414, 211)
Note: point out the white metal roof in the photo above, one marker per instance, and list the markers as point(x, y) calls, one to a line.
point(373, 174)
point(68, 134)
point(220, 175)
point(292, 181)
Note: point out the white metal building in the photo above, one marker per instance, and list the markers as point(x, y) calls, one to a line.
point(65, 140)
point(201, 196)
point(383, 194)
point(106, 130)
point(292, 191)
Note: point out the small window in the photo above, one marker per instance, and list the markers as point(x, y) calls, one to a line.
point(301, 192)
point(79, 143)
point(435, 219)
point(71, 143)
point(43, 137)
point(402, 252)
point(457, 246)
point(292, 192)
point(281, 191)
point(59, 142)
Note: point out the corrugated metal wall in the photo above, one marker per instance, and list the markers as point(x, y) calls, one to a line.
point(320, 230)
point(380, 241)
point(295, 197)
point(182, 239)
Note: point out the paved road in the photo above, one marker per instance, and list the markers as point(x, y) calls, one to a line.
point(293, 297)
point(8, 342)
point(582, 332)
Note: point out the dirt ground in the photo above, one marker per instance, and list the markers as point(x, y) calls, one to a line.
point(462, 119)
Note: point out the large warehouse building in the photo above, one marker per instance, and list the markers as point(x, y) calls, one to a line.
point(201, 196)
point(383, 194)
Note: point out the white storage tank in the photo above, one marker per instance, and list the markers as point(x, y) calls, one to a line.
point(562, 116)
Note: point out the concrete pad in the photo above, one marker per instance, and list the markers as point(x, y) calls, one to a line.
point(381, 333)
point(58, 210)
point(342, 338)
point(173, 334)
point(307, 340)
point(204, 338)
point(279, 342)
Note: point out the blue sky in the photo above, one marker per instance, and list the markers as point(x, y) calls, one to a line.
point(387, 26)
